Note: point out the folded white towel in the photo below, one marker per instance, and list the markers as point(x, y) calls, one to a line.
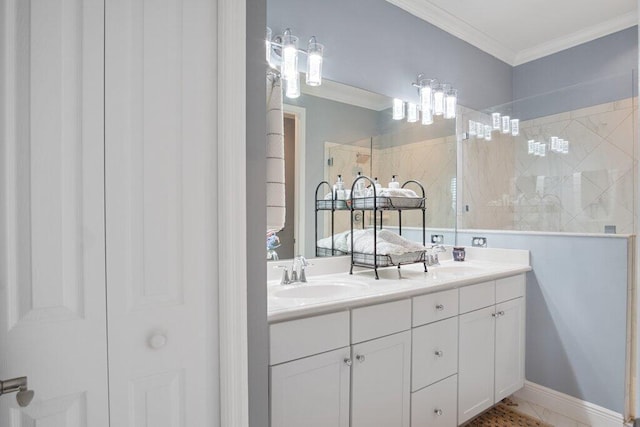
point(391, 192)
point(387, 243)
point(339, 242)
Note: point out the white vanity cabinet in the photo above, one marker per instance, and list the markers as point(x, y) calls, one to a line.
point(491, 344)
point(435, 360)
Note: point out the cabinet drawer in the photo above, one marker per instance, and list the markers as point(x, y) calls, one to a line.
point(435, 406)
point(379, 320)
point(433, 307)
point(303, 337)
point(435, 352)
point(510, 288)
point(474, 297)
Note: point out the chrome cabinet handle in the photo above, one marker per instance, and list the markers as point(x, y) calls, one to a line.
point(439, 353)
point(360, 358)
point(438, 412)
point(494, 314)
point(348, 361)
point(439, 307)
point(501, 313)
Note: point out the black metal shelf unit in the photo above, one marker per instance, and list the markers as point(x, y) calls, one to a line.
point(380, 204)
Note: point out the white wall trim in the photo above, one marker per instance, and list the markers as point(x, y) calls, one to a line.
point(455, 26)
point(569, 406)
point(346, 94)
point(602, 29)
point(461, 29)
point(232, 217)
point(300, 181)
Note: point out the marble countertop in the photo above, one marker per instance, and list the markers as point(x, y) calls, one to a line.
point(394, 283)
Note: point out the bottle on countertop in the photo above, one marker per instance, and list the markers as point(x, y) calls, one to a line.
point(394, 182)
point(359, 189)
point(377, 185)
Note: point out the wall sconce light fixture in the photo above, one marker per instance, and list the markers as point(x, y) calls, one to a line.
point(282, 53)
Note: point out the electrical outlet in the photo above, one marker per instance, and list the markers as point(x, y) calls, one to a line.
point(479, 242)
point(437, 239)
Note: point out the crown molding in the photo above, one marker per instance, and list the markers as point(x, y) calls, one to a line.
point(448, 22)
point(347, 95)
point(457, 27)
point(601, 29)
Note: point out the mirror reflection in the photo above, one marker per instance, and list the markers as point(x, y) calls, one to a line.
point(338, 130)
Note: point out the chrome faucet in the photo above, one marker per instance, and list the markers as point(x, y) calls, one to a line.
point(297, 271)
point(431, 257)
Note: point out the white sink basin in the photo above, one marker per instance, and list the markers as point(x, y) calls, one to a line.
point(318, 289)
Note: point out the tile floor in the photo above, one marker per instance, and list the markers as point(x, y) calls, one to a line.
point(544, 414)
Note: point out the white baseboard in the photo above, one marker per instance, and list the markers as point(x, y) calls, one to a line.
point(576, 409)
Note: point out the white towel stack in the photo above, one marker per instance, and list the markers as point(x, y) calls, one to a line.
point(275, 155)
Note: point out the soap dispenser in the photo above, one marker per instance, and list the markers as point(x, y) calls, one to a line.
point(394, 183)
point(359, 190)
point(377, 185)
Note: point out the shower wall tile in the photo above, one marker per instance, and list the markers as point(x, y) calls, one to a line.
point(582, 191)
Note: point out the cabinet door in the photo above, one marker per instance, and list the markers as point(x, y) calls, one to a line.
point(476, 363)
point(311, 392)
point(380, 393)
point(510, 324)
point(435, 406)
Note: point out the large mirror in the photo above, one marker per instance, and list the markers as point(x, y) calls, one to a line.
point(339, 130)
point(557, 91)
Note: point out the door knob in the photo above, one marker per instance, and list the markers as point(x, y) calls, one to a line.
point(348, 361)
point(157, 340)
point(438, 412)
point(439, 353)
point(360, 358)
point(17, 385)
point(439, 307)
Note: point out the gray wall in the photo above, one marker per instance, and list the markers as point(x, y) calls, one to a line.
point(576, 313)
point(589, 74)
point(258, 337)
point(377, 46)
point(328, 121)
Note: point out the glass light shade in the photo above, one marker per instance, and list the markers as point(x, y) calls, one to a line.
point(543, 150)
point(495, 121)
point(293, 87)
point(531, 146)
point(472, 128)
point(426, 100)
point(267, 43)
point(314, 63)
point(536, 148)
point(487, 133)
point(506, 124)
point(427, 117)
point(554, 143)
point(450, 102)
point(438, 100)
point(398, 109)
point(515, 127)
point(479, 130)
point(289, 55)
point(412, 112)
point(565, 147)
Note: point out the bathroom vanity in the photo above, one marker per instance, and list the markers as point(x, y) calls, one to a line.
point(421, 349)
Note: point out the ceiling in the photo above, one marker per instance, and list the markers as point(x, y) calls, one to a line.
point(519, 31)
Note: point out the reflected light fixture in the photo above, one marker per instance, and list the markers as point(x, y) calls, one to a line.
point(506, 124)
point(515, 127)
point(426, 100)
point(495, 121)
point(450, 102)
point(412, 112)
point(487, 133)
point(438, 100)
point(282, 53)
point(398, 109)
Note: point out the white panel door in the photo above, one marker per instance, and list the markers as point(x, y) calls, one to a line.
point(475, 363)
point(312, 392)
point(160, 217)
point(510, 340)
point(381, 377)
point(52, 277)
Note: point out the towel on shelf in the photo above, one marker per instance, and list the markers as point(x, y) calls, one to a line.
point(275, 155)
point(339, 242)
point(387, 243)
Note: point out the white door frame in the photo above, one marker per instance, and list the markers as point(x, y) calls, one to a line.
point(232, 217)
point(300, 114)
